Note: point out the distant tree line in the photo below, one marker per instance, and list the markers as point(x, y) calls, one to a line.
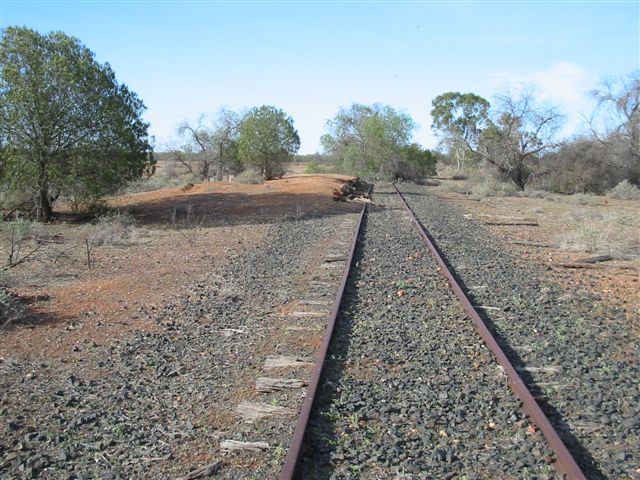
point(516, 139)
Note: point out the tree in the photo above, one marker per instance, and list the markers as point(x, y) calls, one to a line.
point(365, 139)
point(459, 119)
point(618, 113)
point(211, 147)
point(66, 125)
point(267, 139)
point(518, 135)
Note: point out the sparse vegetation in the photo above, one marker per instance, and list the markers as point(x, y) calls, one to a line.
point(188, 223)
point(611, 234)
point(20, 237)
point(10, 308)
point(156, 182)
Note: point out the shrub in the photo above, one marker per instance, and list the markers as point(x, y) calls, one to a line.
point(593, 233)
point(313, 167)
point(157, 182)
point(10, 308)
point(624, 191)
point(20, 237)
point(249, 176)
point(492, 187)
point(16, 200)
point(585, 199)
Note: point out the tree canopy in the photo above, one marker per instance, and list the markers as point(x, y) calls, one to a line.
point(66, 125)
point(267, 139)
point(364, 139)
point(459, 119)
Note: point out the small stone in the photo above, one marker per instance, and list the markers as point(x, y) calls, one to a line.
point(621, 456)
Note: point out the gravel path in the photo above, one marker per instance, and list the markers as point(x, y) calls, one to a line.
point(578, 355)
point(159, 404)
point(409, 389)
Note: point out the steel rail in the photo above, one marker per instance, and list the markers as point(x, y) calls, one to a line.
point(293, 455)
point(565, 460)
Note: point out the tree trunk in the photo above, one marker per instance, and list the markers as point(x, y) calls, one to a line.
point(43, 203)
point(44, 211)
point(220, 164)
point(268, 171)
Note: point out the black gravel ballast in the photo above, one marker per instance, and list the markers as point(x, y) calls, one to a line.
point(577, 355)
point(409, 388)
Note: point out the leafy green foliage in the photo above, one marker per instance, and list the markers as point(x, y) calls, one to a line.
point(267, 139)
point(67, 127)
point(365, 139)
point(459, 119)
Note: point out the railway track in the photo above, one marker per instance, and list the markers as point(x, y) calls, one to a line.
point(409, 382)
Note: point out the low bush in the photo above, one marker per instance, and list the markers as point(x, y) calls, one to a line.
point(10, 308)
point(16, 200)
point(584, 199)
point(19, 239)
point(313, 167)
point(156, 182)
point(250, 176)
point(624, 191)
point(492, 187)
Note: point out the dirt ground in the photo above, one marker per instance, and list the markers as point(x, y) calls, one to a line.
point(552, 242)
point(148, 266)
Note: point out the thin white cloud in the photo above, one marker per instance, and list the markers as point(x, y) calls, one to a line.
point(564, 84)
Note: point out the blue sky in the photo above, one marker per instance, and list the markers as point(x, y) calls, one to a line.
point(310, 58)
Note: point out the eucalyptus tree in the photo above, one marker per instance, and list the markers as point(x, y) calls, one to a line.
point(459, 119)
point(66, 125)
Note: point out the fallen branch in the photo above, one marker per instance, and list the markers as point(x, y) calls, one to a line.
point(205, 471)
point(530, 223)
point(532, 244)
point(598, 259)
point(592, 266)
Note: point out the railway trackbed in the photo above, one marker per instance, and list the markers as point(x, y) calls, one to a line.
point(408, 388)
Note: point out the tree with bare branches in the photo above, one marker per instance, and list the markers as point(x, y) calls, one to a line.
point(517, 136)
point(210, 145)
point(616, 122)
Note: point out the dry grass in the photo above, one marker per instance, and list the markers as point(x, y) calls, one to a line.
point(249, 177)
point(615, 233)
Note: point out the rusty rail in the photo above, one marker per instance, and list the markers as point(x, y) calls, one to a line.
point(291, 460)
point(565, 460)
